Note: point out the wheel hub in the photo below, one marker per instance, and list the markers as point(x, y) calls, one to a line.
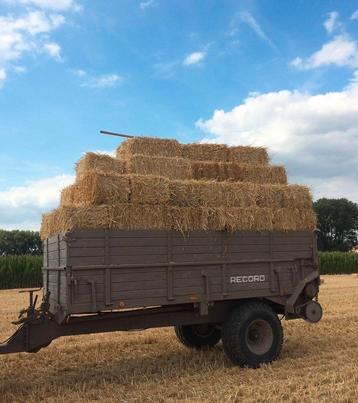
point(259, 337)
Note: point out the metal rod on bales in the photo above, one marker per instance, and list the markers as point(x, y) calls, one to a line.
point(116, 134)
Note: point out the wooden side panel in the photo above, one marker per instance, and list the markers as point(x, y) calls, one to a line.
point(126, 269)
point(54, 273)
point(94, 270)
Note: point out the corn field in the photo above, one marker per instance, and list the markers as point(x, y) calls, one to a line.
point(20, 271)
point(338, 262)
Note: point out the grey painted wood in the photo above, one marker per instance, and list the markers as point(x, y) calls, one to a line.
point(93, 282)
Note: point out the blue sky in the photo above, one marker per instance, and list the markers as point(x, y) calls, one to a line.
point(281, 74)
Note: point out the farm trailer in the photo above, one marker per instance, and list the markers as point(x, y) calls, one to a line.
point(209, 285)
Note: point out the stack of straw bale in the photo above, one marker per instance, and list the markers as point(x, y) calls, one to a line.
point(162, 184)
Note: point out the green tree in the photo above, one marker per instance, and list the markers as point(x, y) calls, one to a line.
point(337, 224)
point(20, 243)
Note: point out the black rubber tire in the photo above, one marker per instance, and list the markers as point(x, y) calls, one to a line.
point(193, 336)
point(239, 343)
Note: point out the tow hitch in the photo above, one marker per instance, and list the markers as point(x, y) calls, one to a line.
point(30, 336)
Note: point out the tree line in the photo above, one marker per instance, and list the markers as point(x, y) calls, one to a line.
point(337, 230)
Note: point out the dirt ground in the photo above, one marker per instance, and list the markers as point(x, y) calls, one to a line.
point(318, 362)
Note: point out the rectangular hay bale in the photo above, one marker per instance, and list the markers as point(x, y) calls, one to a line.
point(231, 171)
point(205, 152)
point(100, 163)
point(234, 194)
point(172, 168)
point(93, 189)
point(183, 219)
point(248, 155)
point(152, 146)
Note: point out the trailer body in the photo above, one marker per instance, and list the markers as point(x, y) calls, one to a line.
point(233, 284)
point(101, 270)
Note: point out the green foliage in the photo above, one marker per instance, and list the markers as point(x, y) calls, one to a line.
point(337, 223)
point(20, 271)
point(20, 243)
point(338, 262)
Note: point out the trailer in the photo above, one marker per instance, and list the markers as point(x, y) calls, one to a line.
point(209, 285)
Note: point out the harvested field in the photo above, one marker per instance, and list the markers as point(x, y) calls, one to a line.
point(183, 219)
point(318, 363)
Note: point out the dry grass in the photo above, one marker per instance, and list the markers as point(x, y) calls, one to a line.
point(183, 219)
point(319, 363)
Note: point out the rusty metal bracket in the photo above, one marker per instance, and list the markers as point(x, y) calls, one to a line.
point(290, 304)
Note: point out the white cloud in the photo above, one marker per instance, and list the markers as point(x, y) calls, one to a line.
point(145, 4)
point(315, 136)
point(354, 16)
point(79, 72)
point(248, 19)
point(29, 32)
point(19, 69)
point(332, 22)
point(25, 33)
point(194, 58)
point(53, 49)
point(22, 206)
point(59, 5)
point(341, 51)
point(104, 81)
point(165, 70)
point(2, 75)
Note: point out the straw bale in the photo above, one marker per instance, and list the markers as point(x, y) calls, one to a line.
point(294, 219)
point(172, 168)
point(183, 219)
point(65, 219)
point(252, 173)
point(149, 146)
point(100, 163)
point(205, 152)
point(206, 170)
point(97, 188)
point(193, 193)
point(231, 171)
point(67, 196)
point(223, 153)
point(149, 189)
point(248, 155)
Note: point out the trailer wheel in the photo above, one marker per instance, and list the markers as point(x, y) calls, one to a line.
point(252, 335)
point(198, 336)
